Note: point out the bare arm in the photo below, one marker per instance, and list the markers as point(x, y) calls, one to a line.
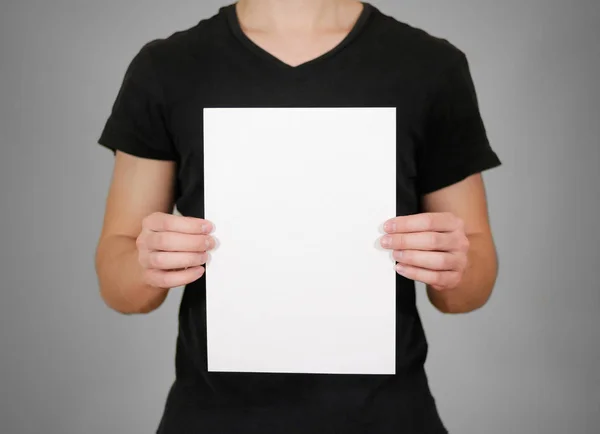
point(449, 247)
point(467, 201)
point(143, 249)
point(138, 188)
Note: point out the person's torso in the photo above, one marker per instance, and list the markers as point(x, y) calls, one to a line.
point(382, 63)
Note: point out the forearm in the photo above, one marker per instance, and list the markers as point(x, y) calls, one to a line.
point(477, 283)
point(120, 278)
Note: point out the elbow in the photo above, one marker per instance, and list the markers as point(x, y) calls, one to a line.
point(125, 306)
point(457, 303)
point(467, 298)
point(116, 304)
point(121, 294)
point(458, 308)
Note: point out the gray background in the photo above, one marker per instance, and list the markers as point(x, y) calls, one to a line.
point(527, 363)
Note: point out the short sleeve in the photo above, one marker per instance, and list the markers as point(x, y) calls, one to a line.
point(136, 125)
point(455, 143)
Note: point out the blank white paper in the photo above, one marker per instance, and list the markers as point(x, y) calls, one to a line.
point(298, 196)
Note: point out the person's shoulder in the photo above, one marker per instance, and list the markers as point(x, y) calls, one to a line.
point(192, 41)
point(416, 45)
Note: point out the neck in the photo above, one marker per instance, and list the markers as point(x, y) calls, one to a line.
point(305, 15)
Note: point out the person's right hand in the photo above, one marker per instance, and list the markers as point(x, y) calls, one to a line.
point(173, 249)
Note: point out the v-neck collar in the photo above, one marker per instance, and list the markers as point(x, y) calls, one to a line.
point(235, 25)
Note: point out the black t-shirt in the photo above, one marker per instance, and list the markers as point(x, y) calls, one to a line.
point(441, 140)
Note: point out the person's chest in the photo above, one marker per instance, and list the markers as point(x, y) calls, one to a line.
point(347, 81)
point(229, 81)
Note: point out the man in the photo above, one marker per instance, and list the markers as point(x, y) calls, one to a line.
point(304, 53)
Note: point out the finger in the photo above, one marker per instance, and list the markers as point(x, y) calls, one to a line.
point(162, 222)
point(439, 241)
point(175, 260)
point(438, 261)
point(437, 279)
point(172, 279)
point(424, 222)
point(178, 242)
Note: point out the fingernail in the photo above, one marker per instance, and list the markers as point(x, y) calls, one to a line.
point(389, 226)
point(386, 241)
point(400, 268)
point(398, 254)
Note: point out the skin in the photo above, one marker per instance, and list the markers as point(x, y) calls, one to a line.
point(144, 250)
point(449, 247)
point(296, 31)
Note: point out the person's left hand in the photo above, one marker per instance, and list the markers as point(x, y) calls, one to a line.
point(429, 247)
